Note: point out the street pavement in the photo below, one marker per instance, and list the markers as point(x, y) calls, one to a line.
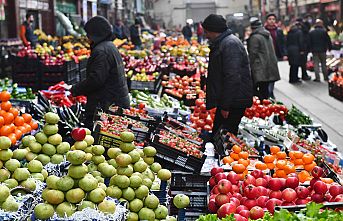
point(313, 98)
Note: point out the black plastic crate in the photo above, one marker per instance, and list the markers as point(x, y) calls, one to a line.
point(83, 63)
point(336, 91)
point(197, 199)
point(28, 77)
point(172, 158)
point(105, 139)
point(24, 64)
point(51, 78)
point(83, 74)
point(188, 181)
point(186, 214)
point(151, 86)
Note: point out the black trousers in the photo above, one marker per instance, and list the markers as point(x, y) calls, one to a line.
point(262, 90)
point(293, 73)
point(231, 123)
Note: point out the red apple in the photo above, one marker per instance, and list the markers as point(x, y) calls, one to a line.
point(221, 199)
point(257, 174)
point(251, 192)
point(250, 203)
point(292, 182)
point(256, 212)
point(283, 183)
point(240, 208)
point(317, 172)
point(317, 198)
point(262, 191)
point(226, 209)
point(233, 178)
point(212, 206)
point(249, 179)
point(275, 184)
point(224, 186)
point(216, 170)
point(238, 196)
point(289, 195)
point(270, 205)
point(302, 192)
point(320, 187)
point(245, 213)
point(212, 182)
point(78, 134)
point(301, 201)
point(235, 201)
point(261, 182)
point(313, 181)
point(335, 190)
point(220, 176)
point(262, 200)
point(275, 194)
point(235, 189)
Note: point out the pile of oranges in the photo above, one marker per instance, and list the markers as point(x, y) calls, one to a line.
point(239, 160)
point(12, 124)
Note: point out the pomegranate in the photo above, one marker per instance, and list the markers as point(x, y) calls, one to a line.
point(256, 212)
point(292, 182)
point(317, 172)
point(226, 209)
point(224, 186)
point(302, 192)
point(320, 187)
point(222, 199)
point(289, 195)
point(275, 194)
point(335, 190)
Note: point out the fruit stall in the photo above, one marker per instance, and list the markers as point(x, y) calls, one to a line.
point(153, 161)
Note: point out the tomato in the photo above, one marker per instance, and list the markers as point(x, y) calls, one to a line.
point(196, 109)
point(203, 115)
point(203, 107)
point(200, 123)
point(207, 127)
point(266, 102)
point(194, 118)
point(199, 102)
point(209, 120)
point(141, 106)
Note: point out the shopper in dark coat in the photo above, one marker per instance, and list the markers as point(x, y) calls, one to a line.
point(135, 34)
point(229, 85)
point(320, 42)
point(105, 83)
point(295, 49)
point(187, 32)
point(305, 28)
point(263, 61)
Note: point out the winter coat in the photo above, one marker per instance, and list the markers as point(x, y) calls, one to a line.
point(135, 36)
point(295, 45)
point(105, 83)
point(320, 41)
point(229, 83)
point(263, 61)
point(187, 31)
point(279, 42)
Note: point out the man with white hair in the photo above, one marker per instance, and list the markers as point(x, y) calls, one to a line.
point(187, 30)
point(320, 42)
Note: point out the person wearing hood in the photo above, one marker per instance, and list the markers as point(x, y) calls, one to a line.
point(228, 85)
point(105, 83)
point(296, 50)
point(320, 42)
point(263, 61)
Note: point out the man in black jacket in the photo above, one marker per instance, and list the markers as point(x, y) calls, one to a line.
point(187, 32)
point(105, 83)
point(229, 85)
point(319, 43)
point(135, 34)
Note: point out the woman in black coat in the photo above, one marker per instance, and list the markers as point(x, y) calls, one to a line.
point(296, 50)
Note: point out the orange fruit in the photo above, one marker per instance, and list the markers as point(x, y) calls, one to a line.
point(19, 121)
point(2, 121)
point(288, 168)
point(281, 174)
point(28, 127)
point(270, 165)
point(227, 160)
point(2, 112)
point(14, 111)
point(8, 117)
point(34, 125)
point(309, 167)
point(5, 130)
point(5, 96)
point(327, 180)
point(22, 129)
point(12, 127)
point(18, 133)
point(13, 138)
point(261, 166)
point(241, 176)
point(238, 168)
point(304, 176)
point(280, 164)
point(6, 106)
point(291, 155)
point(298, 154)
point(308, 158)
point(244, 162)
point(298, 162)
point(243, 155)
point(274, 149)
point(27, 118)
point(281, 155)
point(234, 156)
point(236, 148)
point(269, 159)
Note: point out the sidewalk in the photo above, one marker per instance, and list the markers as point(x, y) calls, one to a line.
point(313, 98)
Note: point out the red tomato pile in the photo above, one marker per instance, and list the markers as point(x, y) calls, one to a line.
point(178, 86)
point(265, 109)
point(202, 118)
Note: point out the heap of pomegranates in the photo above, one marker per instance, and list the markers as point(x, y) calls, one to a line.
point(258, 193)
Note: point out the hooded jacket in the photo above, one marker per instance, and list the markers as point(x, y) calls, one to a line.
point(295, 45)
point(228, 84)
point(263, 61)
point(105, 83)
